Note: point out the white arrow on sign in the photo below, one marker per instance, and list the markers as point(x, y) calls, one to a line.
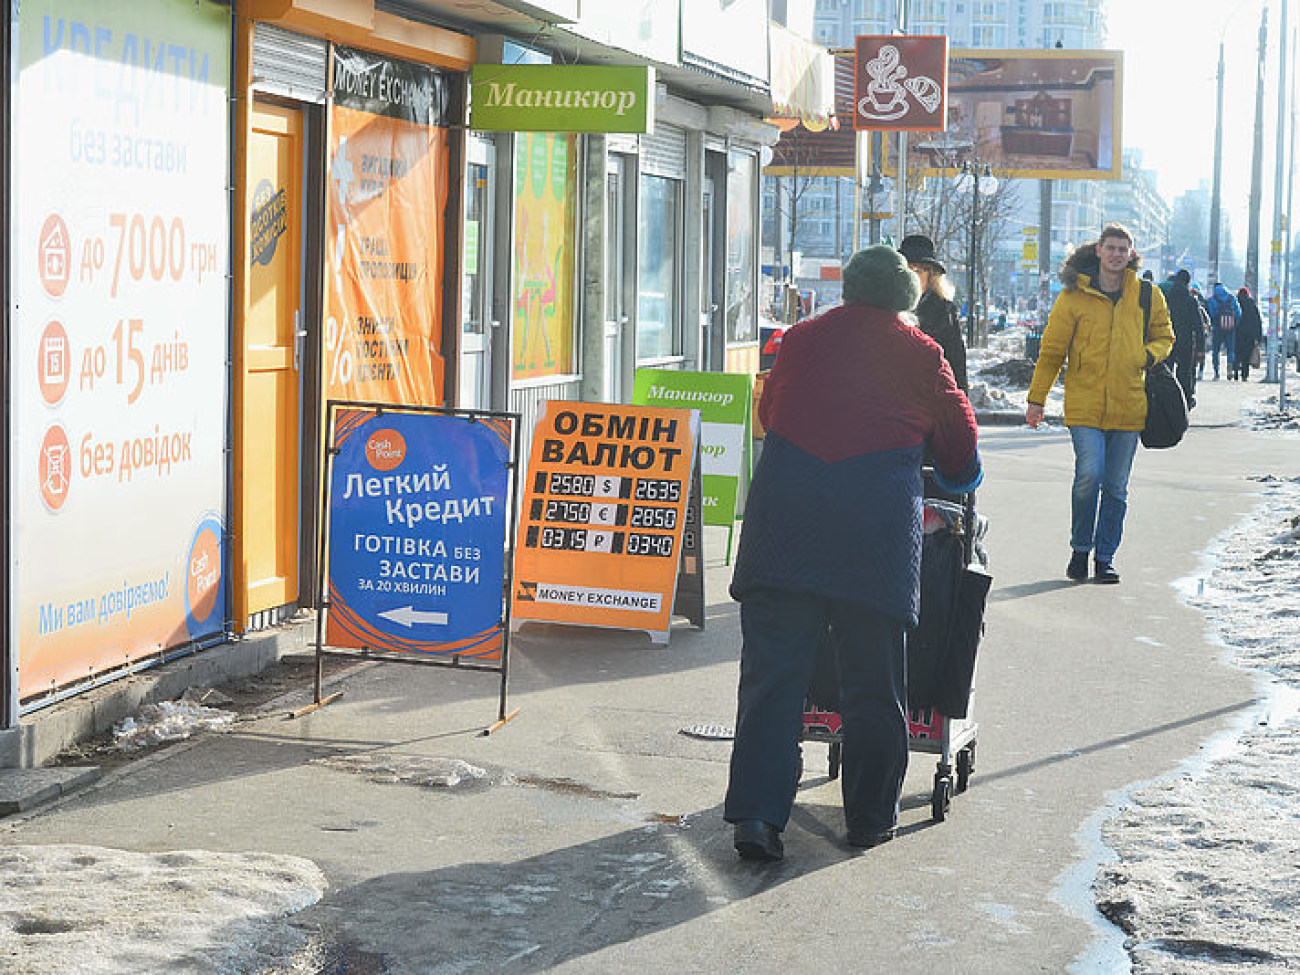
point(407, 616)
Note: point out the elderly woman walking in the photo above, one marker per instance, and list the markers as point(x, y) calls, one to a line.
point(832, 538)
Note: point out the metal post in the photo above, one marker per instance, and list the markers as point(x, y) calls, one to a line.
point(1279, 217)
point(900, 201)
point(1216, 194)
point(1044, 250)
point(1286, 287)
point(970, 262)
point(1257, 163)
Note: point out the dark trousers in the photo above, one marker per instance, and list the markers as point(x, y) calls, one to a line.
point(1183, 364)
point(782, 631)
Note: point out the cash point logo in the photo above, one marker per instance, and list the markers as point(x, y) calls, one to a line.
point(204, 580)
point(385, 450)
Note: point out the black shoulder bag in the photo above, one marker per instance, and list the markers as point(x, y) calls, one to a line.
point(1167, 418)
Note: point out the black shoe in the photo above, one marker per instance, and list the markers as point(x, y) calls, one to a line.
point(1105, 572)
point(1078, 567)
point(757, 840)
point(866, 841)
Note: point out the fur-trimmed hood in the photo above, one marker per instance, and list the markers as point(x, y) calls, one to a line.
point(1083, 262)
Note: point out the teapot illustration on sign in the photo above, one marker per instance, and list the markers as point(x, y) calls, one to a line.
point(886, 98)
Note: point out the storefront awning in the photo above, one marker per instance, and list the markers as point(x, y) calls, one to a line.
point(803, 79)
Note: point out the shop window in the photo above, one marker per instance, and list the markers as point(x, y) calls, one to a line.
point(658, 306)
point(742, 314)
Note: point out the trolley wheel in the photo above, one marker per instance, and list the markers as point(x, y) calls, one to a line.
point(965, 766)
point(942, 797)
point(833, 768)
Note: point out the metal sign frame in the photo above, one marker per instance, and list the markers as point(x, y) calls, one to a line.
point(453, 659)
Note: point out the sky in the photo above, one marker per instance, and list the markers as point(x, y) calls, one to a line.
point(1170, 59)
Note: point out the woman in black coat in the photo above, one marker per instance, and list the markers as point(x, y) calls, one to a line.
point(935, 311)
point(1250, 331)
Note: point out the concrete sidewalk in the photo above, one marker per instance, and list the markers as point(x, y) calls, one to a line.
point(586, 834)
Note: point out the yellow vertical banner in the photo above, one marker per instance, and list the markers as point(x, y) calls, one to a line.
point(546, 200)
point(386, 194)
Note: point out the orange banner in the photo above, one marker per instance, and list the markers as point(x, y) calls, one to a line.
point(384, 218)
point(600, 529)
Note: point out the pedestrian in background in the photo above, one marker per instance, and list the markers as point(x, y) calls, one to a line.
point(936, 311)
point(1224, 314)
point(1203, 341)
point(832, 538)
point(1185, 314)
point(1250, 331)
point(1099, 330)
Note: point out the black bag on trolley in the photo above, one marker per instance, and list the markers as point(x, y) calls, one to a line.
point(941, 650)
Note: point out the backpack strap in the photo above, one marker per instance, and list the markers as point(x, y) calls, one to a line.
point(1144, 299)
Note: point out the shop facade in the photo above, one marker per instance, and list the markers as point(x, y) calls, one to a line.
point(648, 256)
point(278, 203)
point(217, 217)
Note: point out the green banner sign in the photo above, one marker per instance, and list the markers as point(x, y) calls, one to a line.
point(723, 400)
point(561, 98)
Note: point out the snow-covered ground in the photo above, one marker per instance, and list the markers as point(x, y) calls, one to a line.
point(86, 910)
point(1206, 875)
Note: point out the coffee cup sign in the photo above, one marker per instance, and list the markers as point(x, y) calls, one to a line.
point(901, 83)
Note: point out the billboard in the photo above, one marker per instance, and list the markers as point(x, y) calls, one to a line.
point(387, 193)
point(1051, 114)
point(119, 255)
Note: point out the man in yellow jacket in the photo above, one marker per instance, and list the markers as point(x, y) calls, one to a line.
point(1099, 330)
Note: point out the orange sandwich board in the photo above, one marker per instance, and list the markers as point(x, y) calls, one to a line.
point(603, 514)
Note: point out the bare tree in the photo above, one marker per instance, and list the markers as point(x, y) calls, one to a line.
point(940, 208)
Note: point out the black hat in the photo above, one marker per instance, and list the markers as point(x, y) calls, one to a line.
point(919, 249)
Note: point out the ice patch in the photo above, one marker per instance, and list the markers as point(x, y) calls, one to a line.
point(168, 721)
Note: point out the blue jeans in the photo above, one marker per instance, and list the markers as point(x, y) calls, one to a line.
point(782, 631)
point(1227, 341)
point(1103, 460)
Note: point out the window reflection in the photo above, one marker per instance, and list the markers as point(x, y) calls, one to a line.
point(742, 319)
point(657, 265)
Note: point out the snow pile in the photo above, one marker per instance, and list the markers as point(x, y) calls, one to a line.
point(85, 909)
point(168, 721)
point(1264, 414)
point(1000, 374)
point(1208, 876)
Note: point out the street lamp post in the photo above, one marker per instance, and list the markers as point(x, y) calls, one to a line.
point(970, 179)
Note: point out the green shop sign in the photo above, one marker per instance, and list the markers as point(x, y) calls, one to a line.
point(561, 98)
point(723, 400)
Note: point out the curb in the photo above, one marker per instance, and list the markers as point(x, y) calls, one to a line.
point(44, 733)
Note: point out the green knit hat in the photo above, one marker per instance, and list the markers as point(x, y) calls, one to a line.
point(879, 276)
